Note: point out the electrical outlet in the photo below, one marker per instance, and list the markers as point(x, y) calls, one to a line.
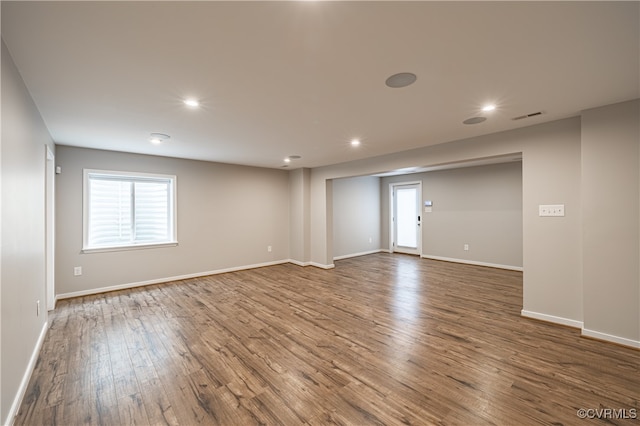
point(77, 271)
point(269, 249)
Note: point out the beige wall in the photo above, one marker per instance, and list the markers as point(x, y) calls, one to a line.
point(479, 206)
point(611, 233)
point(356, 216)
point(24, 136)
point(227, 216)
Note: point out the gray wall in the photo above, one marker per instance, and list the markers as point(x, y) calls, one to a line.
point(299, 215)
point(550, 175)
point(356, 216)
point(611, 210)
point(556, 251)
point(227, 216)
point(24, 137)
point(479, 206)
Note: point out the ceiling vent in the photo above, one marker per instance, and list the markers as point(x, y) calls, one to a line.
point(522, 117)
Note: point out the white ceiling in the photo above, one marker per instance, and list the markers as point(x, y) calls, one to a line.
point(304, 78)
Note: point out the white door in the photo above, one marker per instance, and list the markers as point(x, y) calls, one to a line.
point(406, 218)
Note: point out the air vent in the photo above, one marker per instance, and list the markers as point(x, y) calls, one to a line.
point(533, 114)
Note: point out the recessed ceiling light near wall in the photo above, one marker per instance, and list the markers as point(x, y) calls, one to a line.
point(355, 142)
point(402, 79)
point(474, 120)
point(292, 157)
point(158, 138)
point(191, 103)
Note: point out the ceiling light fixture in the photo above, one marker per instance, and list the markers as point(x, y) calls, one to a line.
point(474, 120)
point(488, 108)
point(158, 138)
point(292, 157)
point(402, 79)
point(355, 142)
point(191, 103)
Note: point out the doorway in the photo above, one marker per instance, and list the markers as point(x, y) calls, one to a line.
point(406, 218)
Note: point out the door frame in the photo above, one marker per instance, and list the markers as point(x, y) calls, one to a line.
point(392, 228)
point(50, 174)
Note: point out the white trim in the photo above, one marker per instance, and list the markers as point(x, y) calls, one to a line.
point(166, 279)
point(364, 253)
point(392, 229)
point(611, 338)
point(50, 226)
point(136, 177)
point(551, 318)
point(129, 247)
point(297, 262)
point(322, 266)
point(473, 262)
point(17, 401)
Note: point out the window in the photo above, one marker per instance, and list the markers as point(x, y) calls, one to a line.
point(124, 210)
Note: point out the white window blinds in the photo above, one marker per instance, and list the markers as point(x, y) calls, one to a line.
point(124, 210)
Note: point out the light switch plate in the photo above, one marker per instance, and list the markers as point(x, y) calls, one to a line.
point(549, 210)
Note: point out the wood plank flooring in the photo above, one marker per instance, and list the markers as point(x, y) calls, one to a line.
point(379, 340)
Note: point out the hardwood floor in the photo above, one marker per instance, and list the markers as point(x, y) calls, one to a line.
point(380, 339)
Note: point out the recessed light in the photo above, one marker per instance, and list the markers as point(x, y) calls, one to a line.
point(191, 103)
point(158, 138)
point(355, 142)
point(402, 79)
point(474, 120)
point(292, 157)
point(488, 108)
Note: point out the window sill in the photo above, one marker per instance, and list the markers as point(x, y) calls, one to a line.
point(126, 248)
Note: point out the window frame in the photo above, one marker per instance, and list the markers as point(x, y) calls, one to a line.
point(130, 177)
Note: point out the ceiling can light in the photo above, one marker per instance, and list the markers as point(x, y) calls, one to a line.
point(402, 79)
point(191, 103)
point(158, 138)
point(474, 120)
point(355, 142)
point(489, 107)
point(292, 157)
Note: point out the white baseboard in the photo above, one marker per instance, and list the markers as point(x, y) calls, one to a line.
point(473, 262)
point(17, 401)
point(364, 253)
point(297, 262)
point(323, 266)
point(317, 265)
point(551, 318)
point(166, 280)
point(584, 331)
point(611, 338)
